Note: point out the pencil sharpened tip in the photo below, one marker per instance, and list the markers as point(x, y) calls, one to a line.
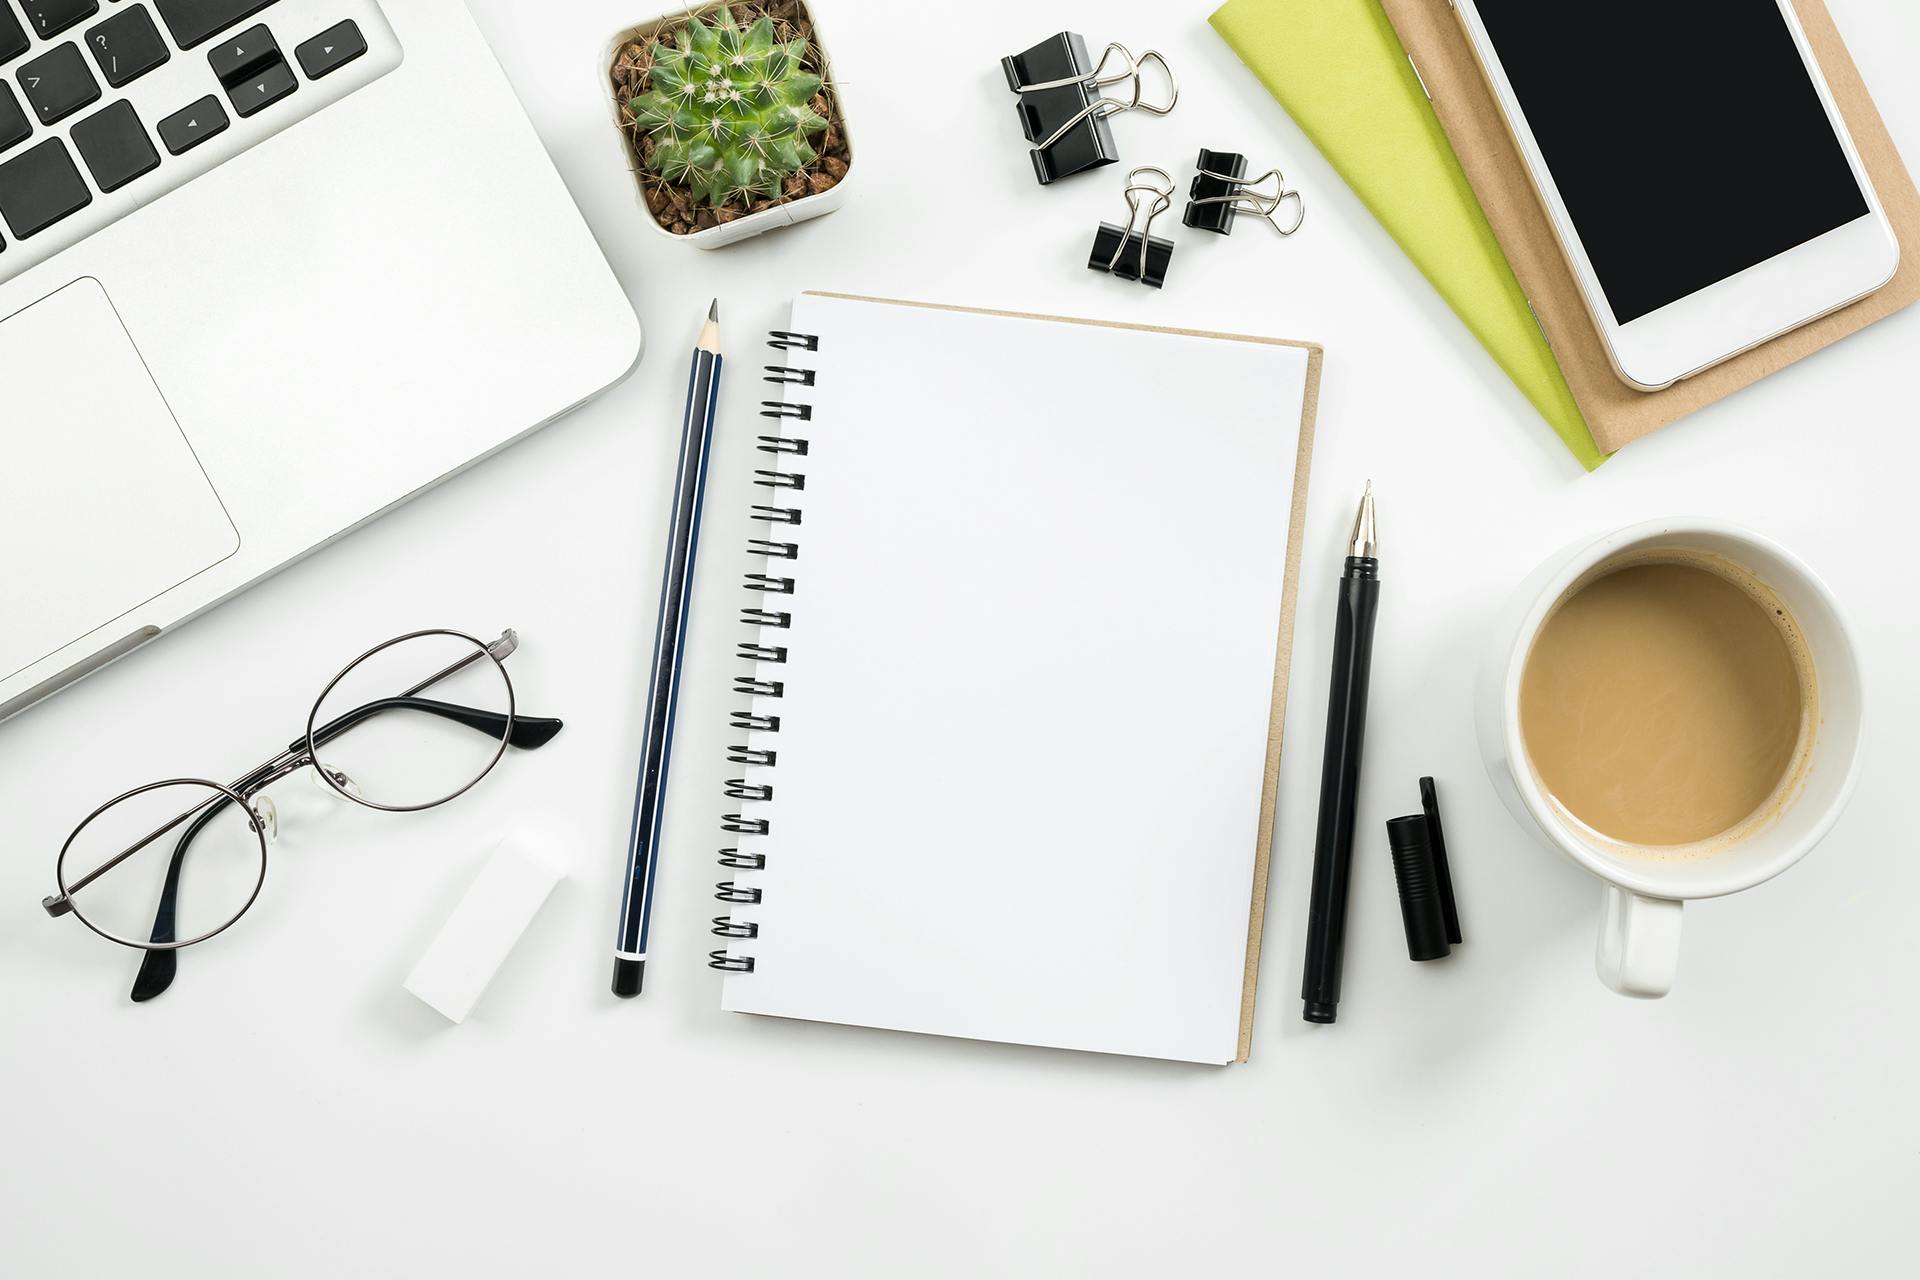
point(710, 331)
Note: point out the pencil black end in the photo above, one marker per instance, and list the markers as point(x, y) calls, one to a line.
point(1318, 1011)
point(627, 976)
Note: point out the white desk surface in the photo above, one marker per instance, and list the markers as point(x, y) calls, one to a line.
point(287, 1109)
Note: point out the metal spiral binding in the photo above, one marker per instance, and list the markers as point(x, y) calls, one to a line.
point(776, 515)
point(756, 651)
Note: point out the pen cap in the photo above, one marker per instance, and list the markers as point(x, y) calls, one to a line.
point(1413, 874)
point(1442, 873)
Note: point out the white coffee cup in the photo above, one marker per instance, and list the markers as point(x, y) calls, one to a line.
point(1639, 948)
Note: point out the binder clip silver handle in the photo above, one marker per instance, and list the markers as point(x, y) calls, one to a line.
point(1243, 197)
point(1102, 106)
point(1154, 253)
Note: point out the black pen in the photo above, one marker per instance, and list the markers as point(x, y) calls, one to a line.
point(676, 590)
point(1340, 768)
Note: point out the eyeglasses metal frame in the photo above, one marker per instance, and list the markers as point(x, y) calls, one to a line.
point(298, 755)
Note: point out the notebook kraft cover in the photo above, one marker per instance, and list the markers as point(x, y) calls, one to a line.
point(1616, 412)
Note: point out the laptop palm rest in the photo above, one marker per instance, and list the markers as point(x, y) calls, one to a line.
point(103, 505)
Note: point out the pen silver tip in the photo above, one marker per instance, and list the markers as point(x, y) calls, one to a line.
point(713, 312)
point(1365, 542)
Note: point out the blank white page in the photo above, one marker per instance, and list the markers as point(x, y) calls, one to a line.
point(1025, 712)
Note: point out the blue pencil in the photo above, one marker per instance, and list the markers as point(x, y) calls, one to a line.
point(676, 593)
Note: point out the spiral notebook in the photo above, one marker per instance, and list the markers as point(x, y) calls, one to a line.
point(1009, 717)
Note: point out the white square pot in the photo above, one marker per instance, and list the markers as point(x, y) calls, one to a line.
point(780, 215)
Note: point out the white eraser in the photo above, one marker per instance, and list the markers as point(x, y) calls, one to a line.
point(476, 938)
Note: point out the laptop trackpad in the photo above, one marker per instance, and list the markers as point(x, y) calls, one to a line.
point(103, 505)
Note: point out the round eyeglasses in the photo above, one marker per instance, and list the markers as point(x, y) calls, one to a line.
point(371, 737)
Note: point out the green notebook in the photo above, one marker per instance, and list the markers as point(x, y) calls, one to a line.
point(1338, 69)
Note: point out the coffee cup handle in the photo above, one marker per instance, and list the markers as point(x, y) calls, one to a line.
point(1639, 950)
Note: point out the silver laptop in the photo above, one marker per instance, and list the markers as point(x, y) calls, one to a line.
point(268, 268)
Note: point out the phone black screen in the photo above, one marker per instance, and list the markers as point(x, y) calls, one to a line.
point(1685, 136)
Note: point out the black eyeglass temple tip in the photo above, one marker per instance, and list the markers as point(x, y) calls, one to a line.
point(532, 732)
point(157, 970)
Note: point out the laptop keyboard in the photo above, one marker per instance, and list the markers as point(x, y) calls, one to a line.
point(197, 21)
point(107, 104)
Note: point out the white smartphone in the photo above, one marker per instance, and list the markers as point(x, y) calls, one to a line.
point(1696, 170)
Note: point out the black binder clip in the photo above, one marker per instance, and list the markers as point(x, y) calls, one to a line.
point(1135, 253)
point(1062, 109)
point(1222, 190)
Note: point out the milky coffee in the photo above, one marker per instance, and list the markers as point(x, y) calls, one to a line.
point(1668, 703)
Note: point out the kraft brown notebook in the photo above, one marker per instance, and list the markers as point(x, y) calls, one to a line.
point(1616, 412)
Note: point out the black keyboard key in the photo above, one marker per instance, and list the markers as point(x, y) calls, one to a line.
point(198, 21)
point(235, 59)
point(39, 187)
point(58, 83)
point(13, 36)
point(127, 46)
point(115, 146)
point(51, 17)
point(262, 89)
point(331, 50)
point(14, 128)
point(184, 130)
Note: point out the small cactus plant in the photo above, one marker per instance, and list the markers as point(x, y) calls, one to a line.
point(729, 109)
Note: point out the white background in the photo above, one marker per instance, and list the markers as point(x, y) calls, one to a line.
point(287, 1109)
